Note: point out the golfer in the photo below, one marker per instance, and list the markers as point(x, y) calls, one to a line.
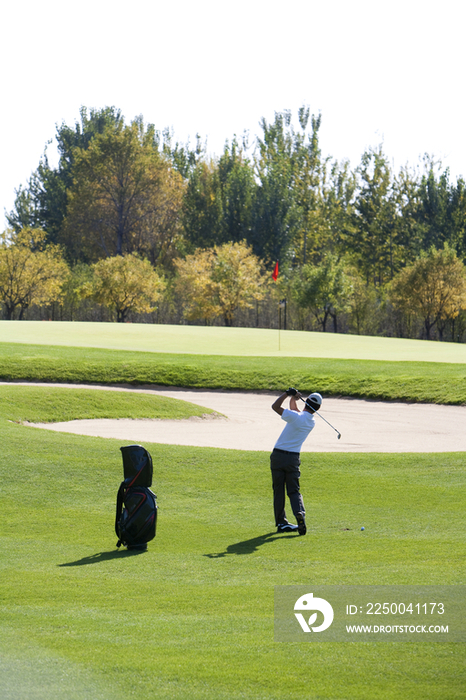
point(285, 458)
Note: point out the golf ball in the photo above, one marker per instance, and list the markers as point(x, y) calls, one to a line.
point(363, 528)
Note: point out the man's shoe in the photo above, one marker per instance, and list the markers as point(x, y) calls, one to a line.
point(287, 527)
point(301, 524)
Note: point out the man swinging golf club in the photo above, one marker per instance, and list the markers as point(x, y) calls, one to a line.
point(285, 458)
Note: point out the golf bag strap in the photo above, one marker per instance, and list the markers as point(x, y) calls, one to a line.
point(119, 507)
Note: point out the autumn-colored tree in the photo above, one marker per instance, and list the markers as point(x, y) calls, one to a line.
point(434, 287)
point(218, 281)
point(238, 278)
point(30, 272)
point(125, 283)
point(74, 290)
point(194, 286)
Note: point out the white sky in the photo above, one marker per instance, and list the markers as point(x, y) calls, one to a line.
point(378, 71)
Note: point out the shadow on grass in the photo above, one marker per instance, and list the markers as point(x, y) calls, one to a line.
point(105, 556)
point(250, 546)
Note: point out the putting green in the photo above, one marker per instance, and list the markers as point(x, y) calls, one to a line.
point(208, 340)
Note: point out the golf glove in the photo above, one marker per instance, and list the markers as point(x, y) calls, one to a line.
point(291, 391)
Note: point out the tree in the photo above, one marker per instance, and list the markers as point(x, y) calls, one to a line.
point(363, 306)
point(219, 199)
point(74, 290)
point(24, 214)
point(433, 208)
point(373, 240)
point(203, 206)
point(238, 191)
point(337, 216)
point(125, 198)
point(219, 281)
point(44, 201)
point(276, 216)
point(288, 168)
point(194, 287)
point(30, 272)
point(434, 287)
point(307, 180)
point(457, 217)
point(325, 290)
point(410, 229)
point(125, 283)
point(441, 211)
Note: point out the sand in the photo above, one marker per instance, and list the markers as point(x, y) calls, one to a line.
point(248, 423)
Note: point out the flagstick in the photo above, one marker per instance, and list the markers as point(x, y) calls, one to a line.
point(281, 305)
point(275, 277)
point(279, 325)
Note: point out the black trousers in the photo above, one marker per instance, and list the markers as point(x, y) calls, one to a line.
point(285, 475)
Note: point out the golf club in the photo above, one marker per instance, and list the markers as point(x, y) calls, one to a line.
point(318, 414)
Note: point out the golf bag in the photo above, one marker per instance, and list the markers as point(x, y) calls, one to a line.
point(136, 508)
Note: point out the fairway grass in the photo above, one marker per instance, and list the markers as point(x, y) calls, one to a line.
point(193, 616)
point(218, 340)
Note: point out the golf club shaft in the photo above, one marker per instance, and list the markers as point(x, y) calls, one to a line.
point(337, 432)
point(318, 414)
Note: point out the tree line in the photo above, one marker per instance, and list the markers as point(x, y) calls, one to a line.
point(140, 227)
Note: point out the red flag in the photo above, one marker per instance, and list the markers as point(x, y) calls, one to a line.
point(275, 272)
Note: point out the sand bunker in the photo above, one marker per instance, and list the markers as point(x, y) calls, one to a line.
point(250, 424)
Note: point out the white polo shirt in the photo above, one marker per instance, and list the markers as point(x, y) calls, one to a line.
point(297, 428)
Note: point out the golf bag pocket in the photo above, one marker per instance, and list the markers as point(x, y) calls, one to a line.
point(137, 466)
point(136, 516)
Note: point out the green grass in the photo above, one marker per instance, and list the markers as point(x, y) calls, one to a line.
point(33, 404)
point(406, 381)
point(244, 342)
point(193, 617)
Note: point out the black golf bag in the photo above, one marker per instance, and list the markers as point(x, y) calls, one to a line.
point(136, 508)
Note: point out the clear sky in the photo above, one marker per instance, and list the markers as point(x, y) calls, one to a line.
point(378, 71)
